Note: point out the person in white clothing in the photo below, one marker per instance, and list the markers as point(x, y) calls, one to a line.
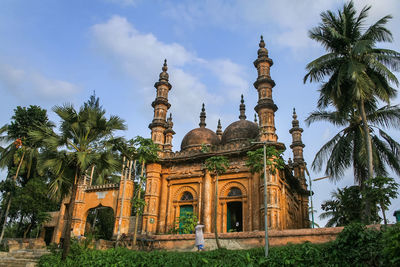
point(199, 236)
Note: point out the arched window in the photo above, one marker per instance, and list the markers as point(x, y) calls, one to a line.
point(186, 196)
point(235, 192)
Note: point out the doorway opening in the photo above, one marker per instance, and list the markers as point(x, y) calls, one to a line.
point(100, 222)
point(234, 217)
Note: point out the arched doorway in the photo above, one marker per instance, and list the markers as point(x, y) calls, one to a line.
point(234, 214)
point(185, 212)
point(100, 222)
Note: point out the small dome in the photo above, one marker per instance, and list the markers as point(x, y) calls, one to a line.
point(240, 130)
point(199, 136)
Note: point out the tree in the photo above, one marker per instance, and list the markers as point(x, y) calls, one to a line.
point(358, 73)
point(81, 143)
point(20, 151)
point(216, 165)
point(347, 147)
point(346, 207)
point(382, 189)
point(147, 152)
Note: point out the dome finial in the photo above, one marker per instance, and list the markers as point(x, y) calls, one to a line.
point(255, 118)
point(242, 109)
point(202, 123)
point(219, 128)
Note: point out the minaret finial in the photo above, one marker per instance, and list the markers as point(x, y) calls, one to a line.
point(202, 123)
point(242, 109)
point(164, 75)
point(255, 118)
point(262, 43)
point(295, 122)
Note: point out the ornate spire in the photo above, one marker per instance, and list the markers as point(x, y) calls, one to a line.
point(242, 109)
point(219, 129)
point(262, 51)
point(255, 118)
point(202, 123)
point(295, 122)
point(164, 75)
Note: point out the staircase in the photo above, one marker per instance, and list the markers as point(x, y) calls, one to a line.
point(21, 258)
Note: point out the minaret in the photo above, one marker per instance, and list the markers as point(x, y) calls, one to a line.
point(159, 125)
point(299, 166)
point(219, 130)
point(265, 105)
point(242, 109)
point(297, 144)
point(169, 134)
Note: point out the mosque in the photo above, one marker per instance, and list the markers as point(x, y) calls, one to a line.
point(179, 181)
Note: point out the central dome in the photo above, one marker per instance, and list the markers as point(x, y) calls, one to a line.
point(240, 130)
point(198, 137)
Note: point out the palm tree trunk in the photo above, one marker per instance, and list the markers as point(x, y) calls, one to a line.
point(383, 214)
point(370, 165)
point(67, 229)
point(9, 199)
point(216, 212)
point(137, 210)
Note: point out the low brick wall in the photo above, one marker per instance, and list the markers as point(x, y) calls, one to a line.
point(15, 244)
point(247, 240)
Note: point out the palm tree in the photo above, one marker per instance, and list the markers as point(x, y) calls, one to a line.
point(216, 165)
point(20, 149)
point(81, 143)
point(358, 73)
point(146, 152)
point(347, 148)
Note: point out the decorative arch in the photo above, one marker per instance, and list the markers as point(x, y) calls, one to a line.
point(180, 191)
point(226, 188)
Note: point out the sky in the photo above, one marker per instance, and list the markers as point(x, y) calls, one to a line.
point(56, 52)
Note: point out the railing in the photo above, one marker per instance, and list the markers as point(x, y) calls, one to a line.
point(102, 187)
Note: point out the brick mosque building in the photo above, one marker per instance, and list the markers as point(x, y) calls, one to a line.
point(179, 181)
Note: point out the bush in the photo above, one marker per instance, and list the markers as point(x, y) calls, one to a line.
point(356, 245)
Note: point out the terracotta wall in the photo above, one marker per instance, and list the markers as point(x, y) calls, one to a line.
point(247, 240)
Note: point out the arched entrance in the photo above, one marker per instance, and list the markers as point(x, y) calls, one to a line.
point(185, 211)
point(100, 222)
point(234, 217)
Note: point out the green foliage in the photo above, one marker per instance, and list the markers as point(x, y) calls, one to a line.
point(101, 220)
point(381, 190)
point(187, 222)
point(391, 245)
point(274, 160)
point(217, 164)
point(346, 207)
point(355, 246)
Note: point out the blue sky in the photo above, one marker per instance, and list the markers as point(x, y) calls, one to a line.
point(53, 52)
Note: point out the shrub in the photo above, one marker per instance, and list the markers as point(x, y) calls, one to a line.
point(391, 245)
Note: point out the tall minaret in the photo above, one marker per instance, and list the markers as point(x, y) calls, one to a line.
point(265, 105)
point(297, 144)
point(219, 130)
point(299, 166)
point(159, 124)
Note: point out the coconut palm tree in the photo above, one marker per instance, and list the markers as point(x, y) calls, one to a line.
point(347, 148)
point(216, 165)
point(20, 152)
point(80, 144)
point(357, 72)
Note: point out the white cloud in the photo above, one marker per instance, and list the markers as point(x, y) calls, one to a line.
point(140, 56)
point(286, 22)
point(31, 84)
point(124, 2)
